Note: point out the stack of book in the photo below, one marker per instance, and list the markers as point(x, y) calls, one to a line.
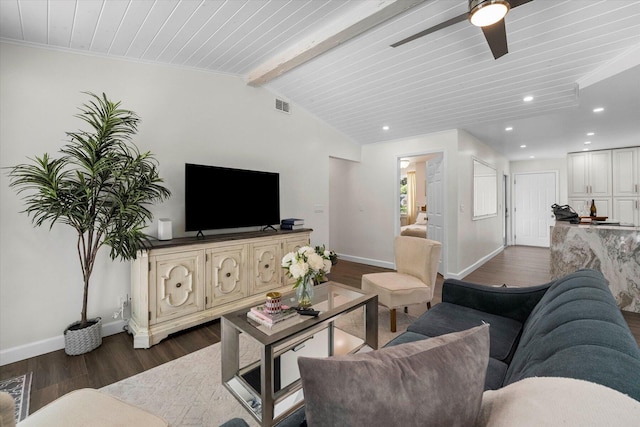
point(291, 224)
point(259, 315)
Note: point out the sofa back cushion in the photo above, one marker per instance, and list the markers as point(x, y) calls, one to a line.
point(577, 331)
point(432, 381)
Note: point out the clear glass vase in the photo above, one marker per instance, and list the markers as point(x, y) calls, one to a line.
point(304, 293)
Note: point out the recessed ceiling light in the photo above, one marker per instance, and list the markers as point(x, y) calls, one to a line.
point(598, 110)
point(528, 98)
point(523, 146)
point(532, 157)
point(509, 128)
point(585, 149)
point(385, 127)
point(590, 133)
point(587, 142)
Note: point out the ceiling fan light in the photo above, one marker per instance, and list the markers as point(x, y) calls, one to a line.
point(483, 13)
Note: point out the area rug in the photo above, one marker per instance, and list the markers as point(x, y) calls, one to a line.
point(188, 391)
point(19, 388)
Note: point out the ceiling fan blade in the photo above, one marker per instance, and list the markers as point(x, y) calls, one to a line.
point(440, 26)
point(496, 36)
point(516, 3)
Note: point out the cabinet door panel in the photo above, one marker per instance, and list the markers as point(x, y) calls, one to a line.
point(578, 175)
point(266, 267)
point(603, 206)
point(626, 210)
point(600, 173)
point(178, 284)
point(226, 275)
point(625, 172)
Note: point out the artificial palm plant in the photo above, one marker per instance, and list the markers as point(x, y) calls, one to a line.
point(101, 186)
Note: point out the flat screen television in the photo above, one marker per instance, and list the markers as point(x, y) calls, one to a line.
point(218, 197)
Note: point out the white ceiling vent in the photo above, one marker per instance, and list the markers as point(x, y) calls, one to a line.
point(283, 106)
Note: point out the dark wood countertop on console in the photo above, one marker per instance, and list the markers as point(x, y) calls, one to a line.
point(212, 238)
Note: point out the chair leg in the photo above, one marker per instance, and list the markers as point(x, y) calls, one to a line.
point(392, 316)
point(428, 305)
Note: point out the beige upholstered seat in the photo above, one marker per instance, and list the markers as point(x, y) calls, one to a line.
point(414, 281)
point(90, 407)
point(7, 410)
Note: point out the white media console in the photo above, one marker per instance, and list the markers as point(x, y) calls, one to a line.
point(180, 283)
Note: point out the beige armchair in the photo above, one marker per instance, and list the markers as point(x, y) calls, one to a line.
point(414, 280)
point(7, 410)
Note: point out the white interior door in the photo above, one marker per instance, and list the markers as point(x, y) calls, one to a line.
point(435, 203)
point(534, 193)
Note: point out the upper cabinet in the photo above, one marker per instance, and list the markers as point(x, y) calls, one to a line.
point(609, 177)
point(626, 185)
point(626, 171)
point(589, 174)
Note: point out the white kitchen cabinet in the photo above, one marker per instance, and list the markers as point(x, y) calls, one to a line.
point(627, 210)
point(603, 206)
point(180, 283)
point(589, 174)
point(626, 185)
point(626, 171)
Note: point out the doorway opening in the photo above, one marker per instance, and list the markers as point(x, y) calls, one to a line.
point(421, 199)
point(506, 219)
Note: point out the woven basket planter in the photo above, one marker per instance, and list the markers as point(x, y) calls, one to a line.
point(80, 341)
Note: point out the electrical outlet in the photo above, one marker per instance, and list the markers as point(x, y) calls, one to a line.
point(123, 301)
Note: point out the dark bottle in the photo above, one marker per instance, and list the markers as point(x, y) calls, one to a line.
point(592, 210)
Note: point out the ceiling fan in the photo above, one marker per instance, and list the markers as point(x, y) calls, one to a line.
point(486, 14)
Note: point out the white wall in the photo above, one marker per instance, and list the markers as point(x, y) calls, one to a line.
point(374, 215)
point(481, 238)
point(544, 165)
point(341, 187)
point(187, 116)
point(371, 202)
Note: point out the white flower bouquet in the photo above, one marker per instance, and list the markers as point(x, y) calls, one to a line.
point(308, 263)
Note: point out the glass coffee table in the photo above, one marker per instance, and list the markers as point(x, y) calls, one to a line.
point(270, 388)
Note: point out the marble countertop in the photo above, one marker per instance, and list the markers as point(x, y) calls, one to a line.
point(598, 227)
point(613, 250)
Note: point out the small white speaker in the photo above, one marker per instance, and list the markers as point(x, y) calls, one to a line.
point(164, 229)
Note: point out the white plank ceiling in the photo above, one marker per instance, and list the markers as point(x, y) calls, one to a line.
point(571, 56)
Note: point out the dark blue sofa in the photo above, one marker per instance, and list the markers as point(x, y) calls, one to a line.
point(571, 327)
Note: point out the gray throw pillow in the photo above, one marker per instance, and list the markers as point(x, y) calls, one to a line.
point(436, 381)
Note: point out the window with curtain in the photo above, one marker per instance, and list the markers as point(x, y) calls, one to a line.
point(403, 196)
point(411, 197)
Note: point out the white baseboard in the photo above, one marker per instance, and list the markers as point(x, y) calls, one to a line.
point(475, 265)
point(15, 354)
point(368, 261)
point(48, 345)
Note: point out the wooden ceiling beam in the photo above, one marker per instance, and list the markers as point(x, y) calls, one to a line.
point(368, 15)
point(626, 60)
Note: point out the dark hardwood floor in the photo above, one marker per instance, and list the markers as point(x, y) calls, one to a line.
point(55, 374)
